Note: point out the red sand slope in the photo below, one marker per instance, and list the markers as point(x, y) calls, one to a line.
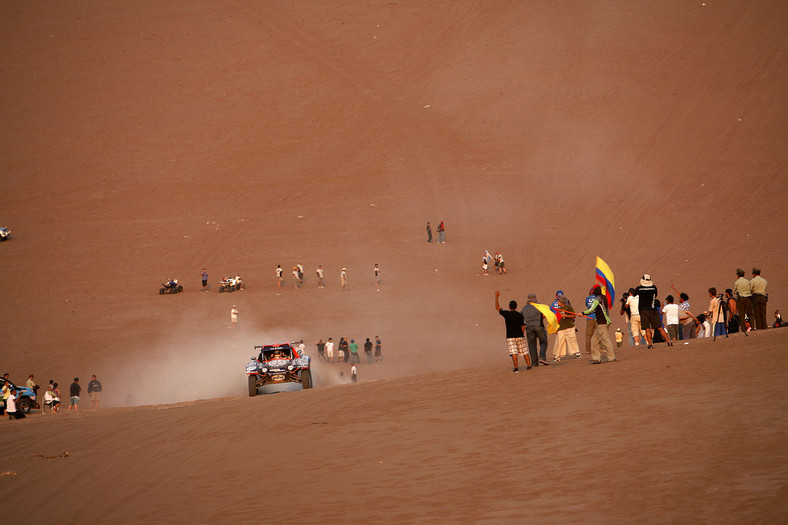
point(147, 140)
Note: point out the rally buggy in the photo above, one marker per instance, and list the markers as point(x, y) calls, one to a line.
point(170, 286)
point(278, 368)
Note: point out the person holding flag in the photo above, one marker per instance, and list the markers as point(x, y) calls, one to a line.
point(600, 341)
point(565, 337)
point(535, 314)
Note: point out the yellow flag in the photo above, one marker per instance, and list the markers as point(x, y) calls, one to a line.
point(550, 317)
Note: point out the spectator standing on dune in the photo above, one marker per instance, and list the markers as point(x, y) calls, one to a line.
point(649, 313)
point(296, 280)
point(75, 390)
point(344, 352)
point(368, 352)
point(94, 391)
point(377, 275)
point(717, 310)
point(234, 316)
point(321, 350)
point(429, 232)
point(378, 350)
point(321, 282)
point(354, 374)
point(515, 332)
point(353, 347)
point(600, 343)
point(330, 350)
point(204, 280)
point(759, 299)
point(484, 266)
point(535, 331)
point(590, 321)
point(566, 336)
point(634, 317)
point(279, 273)
point(441, 233)
point(671, 311)
point(619, 337)
point(742, 290)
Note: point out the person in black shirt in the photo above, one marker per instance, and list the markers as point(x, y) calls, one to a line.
point(649, 312)
point(74, 401)
point(515, 332)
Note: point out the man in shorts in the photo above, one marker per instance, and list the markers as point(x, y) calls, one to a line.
point(649, 316)
point(515, 332)
point(74, 401)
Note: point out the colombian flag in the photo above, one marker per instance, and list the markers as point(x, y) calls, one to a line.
point(606, 281)
point(550, 317)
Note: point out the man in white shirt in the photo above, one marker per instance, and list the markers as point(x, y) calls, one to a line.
point(634, 316)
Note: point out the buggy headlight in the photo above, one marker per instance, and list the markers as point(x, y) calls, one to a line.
point(290, 367)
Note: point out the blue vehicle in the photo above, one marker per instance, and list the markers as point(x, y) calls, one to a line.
point(278, 368)
point(27, 397)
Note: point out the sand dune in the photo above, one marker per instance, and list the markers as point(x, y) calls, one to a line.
point(142, 142)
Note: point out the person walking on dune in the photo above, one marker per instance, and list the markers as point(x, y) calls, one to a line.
point(234, 317)
point(429, 232)
point(321, 282)
point(296, 280)
point(515, 332)
point(343, 280)
point(204, 280)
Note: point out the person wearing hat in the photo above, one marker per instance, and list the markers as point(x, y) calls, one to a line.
point(759, 298)
point(534, 329)
point(649, 315)
point(619, 338)
point(343, 280)
point(742, 290)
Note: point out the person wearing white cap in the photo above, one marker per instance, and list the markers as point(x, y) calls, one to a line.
point(343, 280)
point(647, 305)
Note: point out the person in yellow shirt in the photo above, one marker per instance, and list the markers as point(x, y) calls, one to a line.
point(742, 290)
point(759, 298)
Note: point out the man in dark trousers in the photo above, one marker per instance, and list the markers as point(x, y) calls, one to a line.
point(429, 232)
point(515, 327)
point(534, 330)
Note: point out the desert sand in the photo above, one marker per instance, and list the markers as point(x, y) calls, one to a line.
point(143, 141)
